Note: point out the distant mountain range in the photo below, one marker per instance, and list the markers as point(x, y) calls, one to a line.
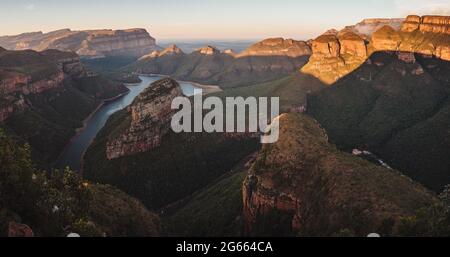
point(93, 43)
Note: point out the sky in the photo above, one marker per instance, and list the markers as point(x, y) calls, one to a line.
point(207, 19)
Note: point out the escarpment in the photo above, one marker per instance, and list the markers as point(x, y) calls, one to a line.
point(336, 54)
point(129, 42)
point(302, 185)
point(151, 114)
point(45, 96)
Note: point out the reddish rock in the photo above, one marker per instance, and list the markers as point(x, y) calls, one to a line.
point(19, 230)
point(327, 46)
point(432, 24)
point(353, 44)
point(151, 115)
point(278, 47)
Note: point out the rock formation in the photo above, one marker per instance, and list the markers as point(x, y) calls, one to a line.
point(130, 42)
point(433, 24)
point(336, 54)
point(151, 114)
point(208, 50)
point(277, 47)
point(53, 67)
point(45, 96)
point(168, 51)
point(264, 61)
point(304, 184)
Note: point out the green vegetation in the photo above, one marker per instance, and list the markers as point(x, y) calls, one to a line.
point(215, 210)
point(51, 118)
point(59, 202)
point(433, 221)
point(291, 89)
point(183, 164)
point(393, 111)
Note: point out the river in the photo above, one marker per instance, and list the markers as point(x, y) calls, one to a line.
point(74, 151)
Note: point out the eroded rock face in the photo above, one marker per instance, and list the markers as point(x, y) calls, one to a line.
point(151, 114)
point(14, 85)
point(132, 42)
point(433, 24)
point(307, 185)
point(335, 55)
point(278, 47)
point(352, 44)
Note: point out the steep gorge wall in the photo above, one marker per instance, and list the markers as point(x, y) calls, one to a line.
point(151, 114)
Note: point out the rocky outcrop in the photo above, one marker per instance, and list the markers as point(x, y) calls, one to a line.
point(335, 54)
point(17, 80)
point(353, 45)
point(151, 114)
point(230, 52)
point(130, 42)
point(432, 24)
point(171, 50)
point(304, 185)
point(277, 47)
point(432, 41)
point(208, 50)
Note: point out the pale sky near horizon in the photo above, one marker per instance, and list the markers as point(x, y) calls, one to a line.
point(207, 19)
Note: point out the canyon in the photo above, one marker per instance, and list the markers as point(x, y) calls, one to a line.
point(380, 86)
point(90, 43)
point(46, 96)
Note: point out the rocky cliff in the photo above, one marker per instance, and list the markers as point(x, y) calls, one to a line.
point(302, 185)
point(277, 47)
point(426, 35)
point(45, 96)
point(151, 114)
point(336, 54)
point(26, 73)
point(130, 42)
